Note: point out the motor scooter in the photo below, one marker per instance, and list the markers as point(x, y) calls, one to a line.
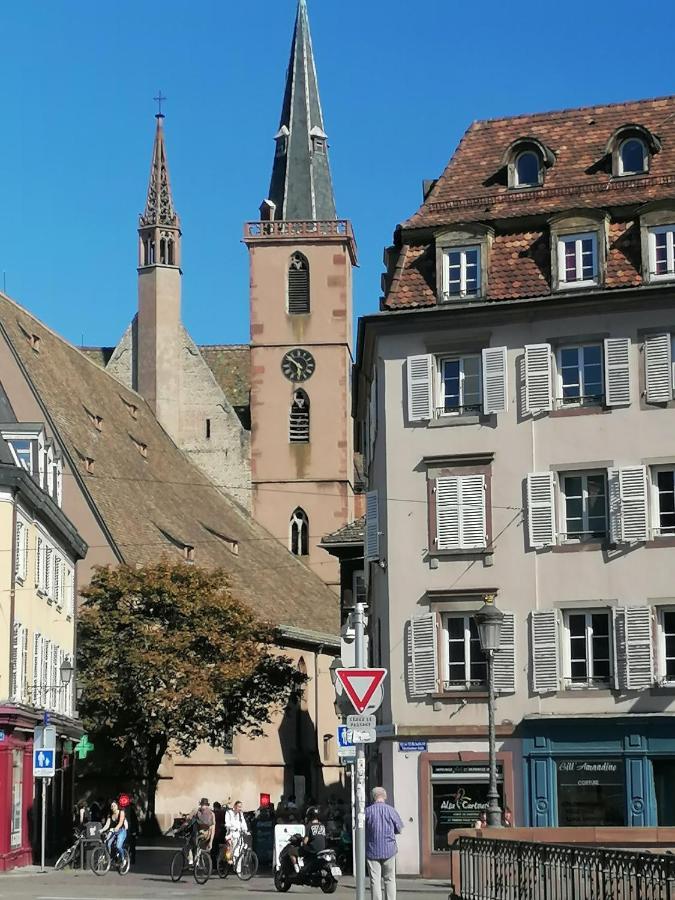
point(319, 870)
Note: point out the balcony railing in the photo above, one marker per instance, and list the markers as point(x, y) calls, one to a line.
point(276, 229)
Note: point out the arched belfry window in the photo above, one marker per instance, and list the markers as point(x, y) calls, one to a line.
point(298, 424)
point(298, 285)
point(299, 533)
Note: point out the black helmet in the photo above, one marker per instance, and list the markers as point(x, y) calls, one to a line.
point(312, 813)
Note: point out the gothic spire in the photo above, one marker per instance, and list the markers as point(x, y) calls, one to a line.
point(159, 208)
point(301, 186)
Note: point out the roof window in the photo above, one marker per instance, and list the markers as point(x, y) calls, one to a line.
point(631, 148)
point(633, 157)
point(526, 160)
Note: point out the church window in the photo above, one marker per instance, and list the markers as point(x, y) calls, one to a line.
point(298, 428)
point(298, 285)
point(148, 252)
point(299, 536)
point(162, 252)
point(170, 253)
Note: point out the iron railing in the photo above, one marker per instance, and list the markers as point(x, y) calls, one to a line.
point(517, 870)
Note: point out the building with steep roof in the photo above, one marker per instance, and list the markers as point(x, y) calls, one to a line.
point(522, 365)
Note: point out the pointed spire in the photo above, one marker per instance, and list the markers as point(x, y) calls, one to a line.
point(301, 186)
point(159, 208)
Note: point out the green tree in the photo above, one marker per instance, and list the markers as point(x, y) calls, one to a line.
point(169, 658)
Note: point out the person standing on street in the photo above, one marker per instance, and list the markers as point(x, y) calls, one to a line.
point(383, 823)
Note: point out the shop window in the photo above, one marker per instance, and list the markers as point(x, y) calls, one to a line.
point(591, 792)
point(459, 797)
point(588, 650)
point(17, 797)
point(465, 665)
point(664, 778)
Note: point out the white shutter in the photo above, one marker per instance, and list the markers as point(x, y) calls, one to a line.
point(545, 651)
point(372, 543)
point(639, 647)
point(38, 562)
point(505, 657)
point(658, 368)
point(541, 509)
point(37, 662)
point(472, 519)
point(23, 676)
point(619, 647)
point(44, 672)
point(628, 504)
point(422, 647)
point(538, 378)
point(447, 512)
point(420, 370)
point(14, 662)
point(17, 549)
point(495, 382)
point(617, 371)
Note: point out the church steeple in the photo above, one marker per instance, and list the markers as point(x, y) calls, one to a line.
point(159, 225)
point(301, 186)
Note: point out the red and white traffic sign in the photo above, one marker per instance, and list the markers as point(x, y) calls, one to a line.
point(363, 687)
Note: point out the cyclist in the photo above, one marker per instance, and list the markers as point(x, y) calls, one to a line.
point(235, 827)
point(203, 829)
point(115, 828)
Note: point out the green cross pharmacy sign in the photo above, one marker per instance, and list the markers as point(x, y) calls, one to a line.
point(83, 747)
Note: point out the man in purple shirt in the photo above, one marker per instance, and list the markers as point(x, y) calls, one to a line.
point(383, 823)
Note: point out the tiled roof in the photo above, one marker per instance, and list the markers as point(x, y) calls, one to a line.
point(231, 367)
point(474, 188)
point(352, 533)
point(158, 503)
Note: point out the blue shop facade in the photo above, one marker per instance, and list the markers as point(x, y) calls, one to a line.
point(600, 771)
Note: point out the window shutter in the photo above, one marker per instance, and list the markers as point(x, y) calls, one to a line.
point(298, 285)
point(658, 368)
point(422, 667)
point(541, 509)
point(38, 562)
point(628, 504)
point(639, 648)
point(14, 662)
point(495, 382)
point(372, 544)
point(420, 388)
point(44, 674)
point(448, 527)
point(538, 378)
point(17, 549)
point(619, 647)
point(617, 371)
point(472, 530)
point(545, 651)
point(37, 650)
point(505, 658)
point(23, 678)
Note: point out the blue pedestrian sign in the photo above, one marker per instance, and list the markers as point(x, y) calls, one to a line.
point(43, 763)
point(346, 750)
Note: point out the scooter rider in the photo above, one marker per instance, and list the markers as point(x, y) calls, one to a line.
point(315, 838)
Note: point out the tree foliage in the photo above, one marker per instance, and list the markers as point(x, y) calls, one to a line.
point(169, 658)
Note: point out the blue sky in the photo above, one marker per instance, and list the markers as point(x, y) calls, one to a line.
point(400, 82)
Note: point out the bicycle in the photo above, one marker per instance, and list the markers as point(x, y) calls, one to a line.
point(71, 855)
point(103, 859)
point(180, 861)
point(243, 861)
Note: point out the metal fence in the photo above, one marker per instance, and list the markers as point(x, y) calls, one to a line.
point(516, 870)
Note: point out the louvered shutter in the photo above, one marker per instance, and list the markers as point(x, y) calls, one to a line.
point(619, 647)
point(617, 371)
point(639, 644)
point(14, 662)
point(420, 372)
point(422, 661)
point(54, 677)
point(38, 562)
point(538, 378)
point(37, 662)
point(628, 504)
point(372, 543)
point(541, 509)
point(23, 678)
point(472, 519)
point(545, 651)
point(44, 671)
point(17, 549)
point(447, 512)
point(658, 368)
point(495, 382)
point(505, 657)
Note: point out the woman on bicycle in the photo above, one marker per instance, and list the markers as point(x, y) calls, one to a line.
point(115, 828)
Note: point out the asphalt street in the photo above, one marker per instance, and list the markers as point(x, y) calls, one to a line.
point(149, 880)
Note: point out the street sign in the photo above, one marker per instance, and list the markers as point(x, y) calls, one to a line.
point(43, 763)
point(360, 721)
point(347, 755)
point(345, 748)
point(412, 746)
point(361, 686)
point(44, 737)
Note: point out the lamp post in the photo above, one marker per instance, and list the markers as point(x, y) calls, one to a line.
point(489, 623)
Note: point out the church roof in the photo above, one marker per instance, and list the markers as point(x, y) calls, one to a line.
point(149, 498)
point(301, 187)
point(231, 367)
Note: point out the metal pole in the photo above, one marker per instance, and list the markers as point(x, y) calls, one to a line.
point(494, 813)
point(44, 825)
point(360, 768)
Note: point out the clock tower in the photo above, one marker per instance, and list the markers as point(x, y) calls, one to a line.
point(301, 259)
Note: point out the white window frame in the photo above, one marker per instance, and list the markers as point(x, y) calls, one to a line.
point(462, 250)
point(581, 400)
point(527, 184)
point(440, 385)
point(669, 231)
point(583, 474)
point(655, 499)
point(567, 650)
point(578, 238)
point(662, 644)
point(467, 685)
point(645, 157)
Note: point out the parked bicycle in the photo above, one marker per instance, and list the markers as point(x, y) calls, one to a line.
point(75, 854)
point(201, 866)
point(238, 857)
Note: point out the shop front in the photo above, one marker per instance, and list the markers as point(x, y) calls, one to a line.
point(16, 789)
point(591, 773)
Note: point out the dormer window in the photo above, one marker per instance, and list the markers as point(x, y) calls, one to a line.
point(633, 157)
point(462, 272)
point(461, 262)
point(318, 139)
point(578, 259)
point(527, 169)
point(526, 160)
point(631, 148)
point(281, 137)
point(578, 249)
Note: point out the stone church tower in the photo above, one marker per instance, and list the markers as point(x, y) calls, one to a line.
point(301, 259)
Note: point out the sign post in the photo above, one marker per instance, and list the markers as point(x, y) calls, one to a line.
point(360, 766)
point(44, 766)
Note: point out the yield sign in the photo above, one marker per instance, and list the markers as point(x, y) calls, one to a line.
point(360, 686)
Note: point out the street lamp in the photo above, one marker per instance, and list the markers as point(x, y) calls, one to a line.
point(66, 671)
point(489, 623)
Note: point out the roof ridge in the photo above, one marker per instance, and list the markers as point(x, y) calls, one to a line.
point(570, 109)
point(224, 346)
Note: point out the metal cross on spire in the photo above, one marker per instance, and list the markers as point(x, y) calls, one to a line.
point(159, 99)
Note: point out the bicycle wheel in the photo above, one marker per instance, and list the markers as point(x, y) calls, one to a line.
point(123, 862)
point(65, 859)
point(223, 867)
point(203, 867)
point(248, 865)
point(100, 860)
point(177, 865)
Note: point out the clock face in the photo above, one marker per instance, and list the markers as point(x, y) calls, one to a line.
point(298, 364)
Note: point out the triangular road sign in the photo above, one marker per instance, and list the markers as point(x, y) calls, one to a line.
point(360, 685)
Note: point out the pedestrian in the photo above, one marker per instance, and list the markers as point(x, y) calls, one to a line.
point(481, 822)
point(383, 823)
